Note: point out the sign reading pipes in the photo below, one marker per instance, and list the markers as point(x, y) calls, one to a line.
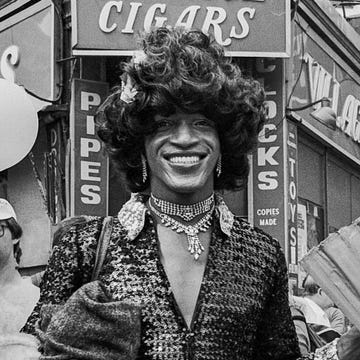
point(89, 165)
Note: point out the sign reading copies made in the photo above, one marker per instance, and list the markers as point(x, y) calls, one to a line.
point(89, 165)
point(245, 28)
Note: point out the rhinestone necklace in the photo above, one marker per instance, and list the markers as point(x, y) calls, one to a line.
point(185, 212)
point(194, 245)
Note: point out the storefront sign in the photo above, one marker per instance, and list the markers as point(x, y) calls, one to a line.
point(89, 165)
point(243, 27)
point(292, 198)
point(324, 74)
point(268, 161)
point(36, 70)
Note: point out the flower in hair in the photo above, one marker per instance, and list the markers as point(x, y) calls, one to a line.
point(139, 56)
point(128, 90)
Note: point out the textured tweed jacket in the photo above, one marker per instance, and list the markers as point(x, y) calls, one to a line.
point(242, 311)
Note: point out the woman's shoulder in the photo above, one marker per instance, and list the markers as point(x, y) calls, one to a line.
point(243, 229)
point(79, 234)
point(86, 230)
point(76, 225)
point(91, 229)
point(91, 224)
point(261, 250)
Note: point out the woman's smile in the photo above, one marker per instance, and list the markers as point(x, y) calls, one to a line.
point(185, 159)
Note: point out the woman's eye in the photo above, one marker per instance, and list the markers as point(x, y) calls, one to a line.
point(204, 123)
point(163, 124)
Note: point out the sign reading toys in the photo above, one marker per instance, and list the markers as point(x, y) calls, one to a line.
point(244, 27)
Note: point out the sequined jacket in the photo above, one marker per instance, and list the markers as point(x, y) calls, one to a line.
point(242, 311)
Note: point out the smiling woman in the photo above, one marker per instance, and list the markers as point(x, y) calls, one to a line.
point(181, 156)
point(209, 286)
point(183, 72)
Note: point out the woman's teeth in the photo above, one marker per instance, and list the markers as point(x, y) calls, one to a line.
point(184, 159)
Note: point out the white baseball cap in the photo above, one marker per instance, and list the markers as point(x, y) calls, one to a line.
point(6, 210)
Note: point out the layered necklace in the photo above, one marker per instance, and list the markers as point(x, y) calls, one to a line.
point(187, 213)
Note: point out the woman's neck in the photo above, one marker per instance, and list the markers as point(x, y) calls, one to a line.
point(182, 198)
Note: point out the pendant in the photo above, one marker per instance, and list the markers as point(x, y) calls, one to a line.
point(195, 247)
point(187, 216)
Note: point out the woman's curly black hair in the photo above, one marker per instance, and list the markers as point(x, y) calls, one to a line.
point(183, 70)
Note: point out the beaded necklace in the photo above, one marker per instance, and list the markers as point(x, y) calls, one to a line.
point(185, 212)
point(194, 245)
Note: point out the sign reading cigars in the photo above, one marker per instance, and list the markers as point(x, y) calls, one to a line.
point(259, 28)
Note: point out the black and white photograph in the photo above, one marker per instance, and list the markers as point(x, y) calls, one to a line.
point(179, 180)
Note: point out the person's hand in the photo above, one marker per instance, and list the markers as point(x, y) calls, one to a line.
point(348, 346)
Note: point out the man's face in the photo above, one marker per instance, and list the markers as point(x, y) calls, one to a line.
point(182, 155)
point(324, 300)
point(6, 243)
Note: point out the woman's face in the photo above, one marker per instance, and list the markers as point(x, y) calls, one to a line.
point(182, 155)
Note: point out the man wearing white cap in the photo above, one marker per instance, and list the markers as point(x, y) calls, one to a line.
point(18, 295)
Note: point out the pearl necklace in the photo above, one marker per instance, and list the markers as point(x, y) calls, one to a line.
point(194, 245)
point(185, 212)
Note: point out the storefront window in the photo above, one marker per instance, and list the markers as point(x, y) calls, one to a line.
point(310, 224)
point(343, 193)
point(310, 228)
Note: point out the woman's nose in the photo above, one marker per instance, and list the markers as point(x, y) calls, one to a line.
point(184, 135)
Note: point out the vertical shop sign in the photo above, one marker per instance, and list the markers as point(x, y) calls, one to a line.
point(89, 165)
point(292, 199)
point(268, 160)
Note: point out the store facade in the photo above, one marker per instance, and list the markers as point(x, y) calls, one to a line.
point(106, 32)
point(325, 64)
point(304, 176)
